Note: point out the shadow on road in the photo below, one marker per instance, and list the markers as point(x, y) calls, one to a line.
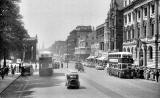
point(25, 86)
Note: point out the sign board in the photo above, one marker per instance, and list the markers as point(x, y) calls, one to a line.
point(18, 60)
point(113, 60)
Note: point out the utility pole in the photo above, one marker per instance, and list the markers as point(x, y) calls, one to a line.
point(67, 53)
point(157, 32)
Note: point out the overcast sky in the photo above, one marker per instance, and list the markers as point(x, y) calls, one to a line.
point(52, 20)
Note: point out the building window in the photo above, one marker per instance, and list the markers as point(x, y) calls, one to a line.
point(132, 50)
point(128, 50)
point(86, 44)
point(139, 14)
point(124, 49)
point(132, 33)
point(145, 11)
point(101, 45)
point(152, 27)
point(152, 8)
point(138, 32)
point(145, 30)
point(125, 19)
point(129, 17)
point(129, 1)
point(129, 34)
point(150, 52)
point(136, 52)
point(125, 3)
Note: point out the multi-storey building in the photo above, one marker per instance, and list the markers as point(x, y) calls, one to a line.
point(71, 44)
point(82, 51)
point(93, 43)
point(114, 23)
point(141, 29)
point(100, 39)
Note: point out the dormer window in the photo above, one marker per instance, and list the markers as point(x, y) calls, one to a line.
point(152, 8)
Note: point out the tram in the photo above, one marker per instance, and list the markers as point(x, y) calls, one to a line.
point(120, 64)
point(45, 64)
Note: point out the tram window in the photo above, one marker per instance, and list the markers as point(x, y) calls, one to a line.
point(124, 66)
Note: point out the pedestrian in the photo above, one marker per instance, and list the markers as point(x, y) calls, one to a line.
point(2, 73)
point(61, 65)
point(6, 70)
point(22, 71)
point(20, 67)
point(13, 71)
point(157, 75)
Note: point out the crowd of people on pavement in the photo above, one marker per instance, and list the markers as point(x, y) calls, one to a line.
point(4, 71)
point(151, 74)
point(146, 73)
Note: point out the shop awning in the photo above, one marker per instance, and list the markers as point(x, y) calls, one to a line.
point(91, 57)
point(102, 58)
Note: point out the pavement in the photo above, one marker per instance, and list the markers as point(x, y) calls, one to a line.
point(7, 81)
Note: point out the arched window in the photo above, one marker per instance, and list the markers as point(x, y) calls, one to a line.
point(128, 50)
point(136, 52)
point(150, 52)
point(124, 49)
point(132, 50)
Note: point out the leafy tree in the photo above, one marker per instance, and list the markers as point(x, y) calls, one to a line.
point(12, 30)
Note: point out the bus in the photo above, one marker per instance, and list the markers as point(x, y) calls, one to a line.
point(120, 64)
point(45, 64)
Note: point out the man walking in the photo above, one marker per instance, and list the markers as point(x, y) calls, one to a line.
point(157, 75)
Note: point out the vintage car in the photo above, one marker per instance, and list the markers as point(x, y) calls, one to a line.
point(72, 80)
point(27, 70)
point(100, 67)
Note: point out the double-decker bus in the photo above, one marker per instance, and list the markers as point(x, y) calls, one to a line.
point(45, 64)
point(120, 64)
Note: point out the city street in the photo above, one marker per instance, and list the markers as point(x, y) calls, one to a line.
point(94, 84)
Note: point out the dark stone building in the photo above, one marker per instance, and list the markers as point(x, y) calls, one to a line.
point(115, 25)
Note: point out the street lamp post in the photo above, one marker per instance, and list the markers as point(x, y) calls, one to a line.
point(157, 32)
point(67, 53)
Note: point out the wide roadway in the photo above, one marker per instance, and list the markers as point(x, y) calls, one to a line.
point(94, 84)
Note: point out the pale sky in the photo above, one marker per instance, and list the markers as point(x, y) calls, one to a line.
point(52, 20)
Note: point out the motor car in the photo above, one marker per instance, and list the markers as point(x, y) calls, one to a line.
point(72, 80)
point(99, 67)
point(27, 70)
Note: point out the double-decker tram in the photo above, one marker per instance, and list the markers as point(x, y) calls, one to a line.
point(120, 64)
point(45, 64)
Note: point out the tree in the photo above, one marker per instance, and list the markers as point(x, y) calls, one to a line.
point(12, 30)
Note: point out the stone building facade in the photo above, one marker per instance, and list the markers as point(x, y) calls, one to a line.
point(72, 43)
point(82, 51)
point(100, 39)
point(30, 50)
point(141, 20)
point(114, 26)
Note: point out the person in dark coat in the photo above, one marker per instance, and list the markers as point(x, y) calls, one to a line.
point(19, 67)
point(2, 73)
point(13, 70)
point(157, 75)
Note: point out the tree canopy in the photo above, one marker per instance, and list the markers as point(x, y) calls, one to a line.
point(12, 30)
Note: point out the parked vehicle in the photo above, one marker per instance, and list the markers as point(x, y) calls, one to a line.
point(99, 67)
point(27, 70)
point(72, 80)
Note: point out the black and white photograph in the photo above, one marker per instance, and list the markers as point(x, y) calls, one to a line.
point(79, 48)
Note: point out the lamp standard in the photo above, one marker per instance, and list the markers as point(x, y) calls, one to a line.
point(157, 32)
point(67, 53)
